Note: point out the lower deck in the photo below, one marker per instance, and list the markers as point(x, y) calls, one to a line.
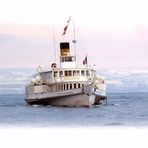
point(72, 97)
point(55, 87)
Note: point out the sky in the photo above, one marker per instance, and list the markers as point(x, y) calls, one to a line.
point(112, 33)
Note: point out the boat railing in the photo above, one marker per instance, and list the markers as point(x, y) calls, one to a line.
point(55, 80)
point(46, 69)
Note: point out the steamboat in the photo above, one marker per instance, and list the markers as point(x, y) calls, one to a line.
point(67, 83)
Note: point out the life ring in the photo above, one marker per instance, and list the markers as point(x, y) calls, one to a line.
point(53, 65)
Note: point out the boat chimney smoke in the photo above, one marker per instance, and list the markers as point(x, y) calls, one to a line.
point(64, 49)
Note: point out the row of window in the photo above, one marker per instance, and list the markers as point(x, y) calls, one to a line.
point(68, 59)
point(72, 86)
point(68, 73)
point(61, 87)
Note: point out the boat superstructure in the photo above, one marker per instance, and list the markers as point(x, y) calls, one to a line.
point(67, 83)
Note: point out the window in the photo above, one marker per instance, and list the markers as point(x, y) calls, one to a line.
point(67, 59)
point(87, 73)
point(82, 73)
point(70, 86)
point(67, 86)
point(55, 74)
point(68, 73)
point(78, 85)
point(75, 86)
point(62, 59)
point(74, 73)
point(61, 73)
point(78, 72)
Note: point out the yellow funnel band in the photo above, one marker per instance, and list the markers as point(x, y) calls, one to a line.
point(65, 52)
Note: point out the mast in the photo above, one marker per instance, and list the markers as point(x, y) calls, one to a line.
point(54, 45)
point(74, 40)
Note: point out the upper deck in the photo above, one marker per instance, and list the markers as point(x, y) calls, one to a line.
point(57, 75)
point(68, 69)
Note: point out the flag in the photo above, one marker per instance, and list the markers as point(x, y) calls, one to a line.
point(65, 28)
point(85, 61)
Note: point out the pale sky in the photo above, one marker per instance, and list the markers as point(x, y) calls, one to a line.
point(113, 33)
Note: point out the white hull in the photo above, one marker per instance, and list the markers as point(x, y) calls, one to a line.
point(76, 100)
point(75, 97)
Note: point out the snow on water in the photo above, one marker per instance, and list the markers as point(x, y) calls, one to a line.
point(126, 80)
point(13, 80)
